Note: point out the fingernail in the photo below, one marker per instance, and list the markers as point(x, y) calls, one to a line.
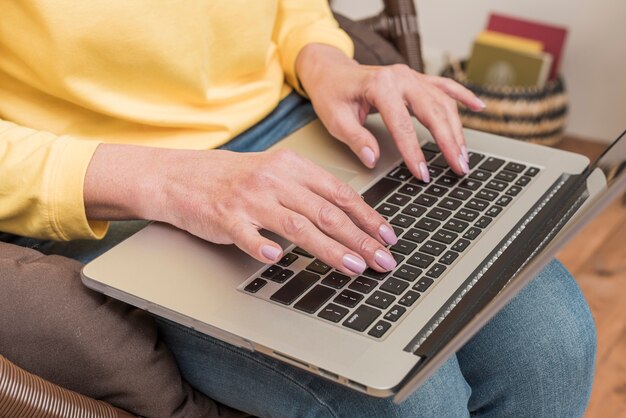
point(481, 104)
point(354, 264)
point(424, 172)
point(465, 154)
point(270, 252)
point(463, 165)
point(368, 157)
point(387, 234)
point(385, 260)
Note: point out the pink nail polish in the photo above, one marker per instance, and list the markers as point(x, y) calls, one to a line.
point(271, 253)
point(463, 164)
point(424, 172)
point(387, 234)
point(385, 260)
point(368, 157)
point(354, 264)
point(480, 103)
point(465, 154)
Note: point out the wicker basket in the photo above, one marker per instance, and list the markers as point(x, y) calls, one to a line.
point(534, 114)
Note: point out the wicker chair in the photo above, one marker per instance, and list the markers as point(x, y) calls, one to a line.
point(23, 394)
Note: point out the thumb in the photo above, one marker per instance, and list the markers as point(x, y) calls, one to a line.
point(348, 130)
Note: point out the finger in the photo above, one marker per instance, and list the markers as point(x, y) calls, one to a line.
point(349, 201)
point(433, 114)
point(458, 92)
point(455, 123)
point(336, 224)
point(245, 236)
point(346, 127)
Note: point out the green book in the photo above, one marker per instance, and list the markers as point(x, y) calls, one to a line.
point(500, 66)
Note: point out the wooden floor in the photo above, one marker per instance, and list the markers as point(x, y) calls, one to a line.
point(597, 259)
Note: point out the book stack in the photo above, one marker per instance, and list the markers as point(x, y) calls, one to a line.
point(516, 52)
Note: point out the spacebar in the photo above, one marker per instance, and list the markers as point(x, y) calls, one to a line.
point(379, 191)
point(295, 287)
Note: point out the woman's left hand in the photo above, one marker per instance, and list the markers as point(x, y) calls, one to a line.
point(343, 92)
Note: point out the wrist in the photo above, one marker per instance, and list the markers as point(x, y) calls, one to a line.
point(314, 62)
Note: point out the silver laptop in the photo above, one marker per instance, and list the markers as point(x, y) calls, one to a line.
point(467, 245)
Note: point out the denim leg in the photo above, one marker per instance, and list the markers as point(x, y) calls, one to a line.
point(536, 357)
point(260, 385)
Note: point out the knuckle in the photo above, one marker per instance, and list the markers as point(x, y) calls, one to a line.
point(294, 225)
point(344, 195)
point(330, 218)
point(383, 76)
point(367, 245)
point(402, 69)
point(285, 156)
point(238, 232)
point(405, 126)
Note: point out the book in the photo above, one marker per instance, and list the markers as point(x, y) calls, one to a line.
point(510, 41)
point(497, 64)
point(553, 37)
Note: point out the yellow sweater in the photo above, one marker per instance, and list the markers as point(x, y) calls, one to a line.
point(179, 74)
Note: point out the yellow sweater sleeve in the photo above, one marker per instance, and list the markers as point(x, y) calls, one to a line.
point(41, 184)
point(303, 22)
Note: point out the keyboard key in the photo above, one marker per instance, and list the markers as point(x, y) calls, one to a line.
point(421, 260)
point(314, 300)
point(431, 146)
point(439, 213)
point(461, 245)
point(428, 224)
point(415, 235)
point(504, 200)
point(295, 287)
point(477, 204)
point(514, 190)
point(399, 258)
point(455, 225)
point(414, 210)
point(395, 313)
point(409, 298)
point(448, 258)
point(375, 194)
point(287, 260)
point(423, 284)
point(403, 221)
point(506, 176)
point(410, 189)
point(460, 193)
point(474, 159)
point(318, 267)
point(408, 273)
point(487, 194)
point(440, 162)
point(434, 172)
point(283, 276)
point(445, 236)
point(425, 200)
point(373, 274)
point(400, 173)
point(466, 214)
point(523, 181)
point(428, 155)
point(380, 299)
point(255, 285)
point(436, 270)
point(336, 280)
point(404, 247)
point(436, 190)
point(398, 199)
point(480, 175)
point(379, 329)
point(387, 209)
point(447, 181)
point(498, 185)
point(532, 171)
point(470, 184)
point(449, 203)
point(333, 313)
point(271, 271)
point(394, 286)
point(515, 167)
point(483, 222)
point(494, 211)
point(302, 252)
point(348, 298)
point(471, 233)
point(363, 284)
point(491, 164)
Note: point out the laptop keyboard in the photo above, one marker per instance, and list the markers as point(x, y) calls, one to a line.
point(435, 224)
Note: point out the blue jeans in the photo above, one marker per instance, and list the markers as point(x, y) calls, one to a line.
point(535, 358)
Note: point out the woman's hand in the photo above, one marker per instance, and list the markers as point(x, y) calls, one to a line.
point(343, 93)
point(226, 197)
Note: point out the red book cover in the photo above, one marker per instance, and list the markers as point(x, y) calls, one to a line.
point(552, 37)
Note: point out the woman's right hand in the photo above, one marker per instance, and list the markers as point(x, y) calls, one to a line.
point(226, 198)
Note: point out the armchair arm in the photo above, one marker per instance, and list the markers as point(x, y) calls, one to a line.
point(24, 394)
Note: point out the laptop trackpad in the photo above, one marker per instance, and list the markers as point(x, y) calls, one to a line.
point(344, 175)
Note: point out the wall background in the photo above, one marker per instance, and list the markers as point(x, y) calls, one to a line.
point(594, 62)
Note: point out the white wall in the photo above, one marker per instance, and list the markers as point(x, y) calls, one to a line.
point(594, 63)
